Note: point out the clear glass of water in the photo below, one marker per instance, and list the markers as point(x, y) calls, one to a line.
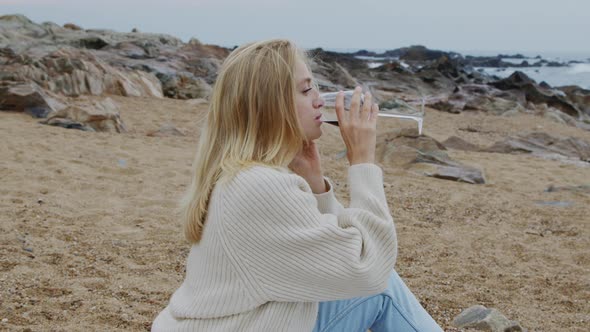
point(395, 108)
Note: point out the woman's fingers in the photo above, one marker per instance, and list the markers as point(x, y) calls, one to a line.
point(367, 105)
point(374, 112)
point(355, 103)
point(340, 113)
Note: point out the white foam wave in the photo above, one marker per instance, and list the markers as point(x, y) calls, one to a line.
point(580, 68)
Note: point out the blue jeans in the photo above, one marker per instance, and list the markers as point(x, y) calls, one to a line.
point(394, 310)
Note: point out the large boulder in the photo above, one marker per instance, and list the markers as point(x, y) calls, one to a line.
point(404, 148)
point(77, 72)
point(184, 85)
point(89, 115)
point(29, 98)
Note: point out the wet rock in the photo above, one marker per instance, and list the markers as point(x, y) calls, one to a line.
point(484, 319)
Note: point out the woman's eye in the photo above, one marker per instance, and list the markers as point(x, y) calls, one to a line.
point(307, 90)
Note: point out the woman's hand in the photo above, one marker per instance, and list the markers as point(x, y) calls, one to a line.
point(307, 165)
point(358, 127)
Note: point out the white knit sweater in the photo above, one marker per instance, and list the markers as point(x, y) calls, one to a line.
point(271, 250)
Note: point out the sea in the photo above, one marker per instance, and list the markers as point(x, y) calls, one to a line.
point(576, 72)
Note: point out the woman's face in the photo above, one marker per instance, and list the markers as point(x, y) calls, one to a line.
point(307, 102)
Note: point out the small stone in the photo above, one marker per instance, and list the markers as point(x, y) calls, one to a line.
point(197, 101)
point(484, 319)
point(166, 130)
point(4, 320)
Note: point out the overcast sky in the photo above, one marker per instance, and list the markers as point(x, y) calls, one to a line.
point(527, 26)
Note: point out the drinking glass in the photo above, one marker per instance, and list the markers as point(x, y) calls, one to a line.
point(395, 108)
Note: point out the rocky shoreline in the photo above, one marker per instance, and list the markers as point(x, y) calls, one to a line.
point(51, 62)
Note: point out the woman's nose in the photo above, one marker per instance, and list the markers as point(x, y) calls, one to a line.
point(318, 102)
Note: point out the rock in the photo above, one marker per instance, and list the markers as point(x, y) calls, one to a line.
point(579, 189)
point(556, 115)
point(75, 73)
point(480, 97)
point(416, 53)
point(393, 66)
point(461, 174)
point(68, 124)
point(457, 143)
point(406, 149)
point(77, 62)
point(185, 86)
point(555, 203)
point(166, 130)
point(536, 94)
point(578, 96)
point(72, 26)
point(484, 319)
point(403, 147)
point(337, 68)
point(29, 98)
point(15, 27)
point(197, 101)
point(447, 67)
point(89, 116)
point(542, 144)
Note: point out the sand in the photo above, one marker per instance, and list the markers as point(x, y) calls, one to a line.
point(90, 239)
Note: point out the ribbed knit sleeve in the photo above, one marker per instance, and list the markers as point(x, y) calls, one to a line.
point(280, 242)
point(327, 202)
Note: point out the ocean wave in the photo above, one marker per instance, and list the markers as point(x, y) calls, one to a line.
point(579, 68)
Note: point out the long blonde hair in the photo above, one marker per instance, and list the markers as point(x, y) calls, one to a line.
point(251, 120)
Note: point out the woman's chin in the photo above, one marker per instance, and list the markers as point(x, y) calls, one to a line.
point(314, 135)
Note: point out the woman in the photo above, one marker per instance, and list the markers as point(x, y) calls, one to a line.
point(271, 244)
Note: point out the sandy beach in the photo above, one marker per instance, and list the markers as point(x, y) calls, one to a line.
point(90, 239)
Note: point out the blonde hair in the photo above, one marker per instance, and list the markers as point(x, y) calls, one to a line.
point(251, 120)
